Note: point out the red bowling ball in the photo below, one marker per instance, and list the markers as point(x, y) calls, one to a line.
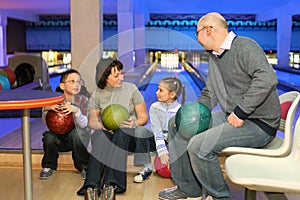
point(162, 170)
point(59, 123)
point(11, 75)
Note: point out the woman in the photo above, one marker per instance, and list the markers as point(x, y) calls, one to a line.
point(108, 160)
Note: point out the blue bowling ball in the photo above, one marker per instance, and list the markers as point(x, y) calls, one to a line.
point(191, 119)
point(4, 82)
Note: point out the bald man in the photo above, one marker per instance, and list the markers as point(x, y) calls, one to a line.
point(243, 83)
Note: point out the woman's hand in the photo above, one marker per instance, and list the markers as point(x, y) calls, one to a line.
point(130, 123)
point(104, 129)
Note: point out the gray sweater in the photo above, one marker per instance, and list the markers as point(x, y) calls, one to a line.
point(242, 81)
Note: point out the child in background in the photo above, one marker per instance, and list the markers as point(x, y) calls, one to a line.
point(169, 89)
point(77, 139)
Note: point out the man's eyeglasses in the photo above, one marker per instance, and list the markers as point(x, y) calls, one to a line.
point(197, 32)
point(73, 82)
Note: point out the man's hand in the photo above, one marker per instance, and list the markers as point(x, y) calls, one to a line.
point(234, 121)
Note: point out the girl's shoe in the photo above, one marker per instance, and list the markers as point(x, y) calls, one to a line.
point(142, 175)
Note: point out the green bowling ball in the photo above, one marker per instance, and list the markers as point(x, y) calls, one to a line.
point(3, 73)
point(113, 115)
point(191, 119)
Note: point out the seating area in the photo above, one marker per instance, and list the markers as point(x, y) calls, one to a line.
point(268, 174)
point(279, 146)
point(274, 171)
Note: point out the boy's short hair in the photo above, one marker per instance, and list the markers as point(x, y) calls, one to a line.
point(63, 78)
point(65, 74)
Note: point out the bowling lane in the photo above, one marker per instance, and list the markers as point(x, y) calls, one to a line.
point(192, 91)
point(290, 81)
point(8, 125)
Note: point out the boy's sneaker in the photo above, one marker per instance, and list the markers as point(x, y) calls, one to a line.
point(174, 193)
point(83, 174)
point(46, 173)
point(142, 175)
point(108, 192)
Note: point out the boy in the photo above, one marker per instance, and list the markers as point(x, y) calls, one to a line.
point(75, 140)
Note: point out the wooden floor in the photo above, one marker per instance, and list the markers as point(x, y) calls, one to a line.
point(64, 184)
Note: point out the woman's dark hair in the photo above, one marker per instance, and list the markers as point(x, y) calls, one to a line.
point(103, 70)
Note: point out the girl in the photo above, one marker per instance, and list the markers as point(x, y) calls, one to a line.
point(169, 89)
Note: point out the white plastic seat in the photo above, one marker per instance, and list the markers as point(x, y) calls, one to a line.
point(265, 173)
point(278, 147)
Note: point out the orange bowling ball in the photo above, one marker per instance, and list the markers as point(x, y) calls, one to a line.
point(59, 123)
